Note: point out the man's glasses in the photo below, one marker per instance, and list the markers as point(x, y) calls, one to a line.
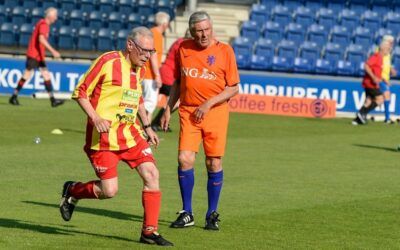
point(143, 50)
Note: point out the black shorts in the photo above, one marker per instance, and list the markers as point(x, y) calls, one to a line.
point(372, 93)
point(165, 89)
point(34, 64)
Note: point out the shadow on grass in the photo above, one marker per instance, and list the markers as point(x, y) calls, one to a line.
point(376, 147)
point(26, 225)
point(98, 211)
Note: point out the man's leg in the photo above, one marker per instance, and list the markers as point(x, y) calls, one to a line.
point(14, 98)
point(214, 186)
point(49, 88)
point(386, 103)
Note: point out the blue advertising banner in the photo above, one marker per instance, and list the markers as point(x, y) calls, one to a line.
point(347, 92)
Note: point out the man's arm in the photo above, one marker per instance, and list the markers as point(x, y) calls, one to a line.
point(101, 124)
point(368, 70)
point(153, 138)
point(155, 69)
point(47, 45)
point(173, 99)
point(225, 95)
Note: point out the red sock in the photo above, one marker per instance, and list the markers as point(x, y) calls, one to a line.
point(83, 190)
point(151, 201)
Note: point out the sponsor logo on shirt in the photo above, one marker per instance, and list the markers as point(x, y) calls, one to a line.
point(130, 95)
point(99, 169)
point(129, 111)
point(199, 73)
point(127, 105)
point(129, 119)
point(211, 60)
point(146, 151)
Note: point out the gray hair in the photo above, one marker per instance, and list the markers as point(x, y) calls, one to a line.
point(49, 10)
point(138, 32)
point(161, 18)
point(198, 16)
point(388, 38)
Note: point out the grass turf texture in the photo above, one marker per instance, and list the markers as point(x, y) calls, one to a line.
point(289, 183)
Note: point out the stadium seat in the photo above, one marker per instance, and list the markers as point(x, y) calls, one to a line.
point(349, 19)
point(303, 16)
point(345, 68)
point(7, 34)
point(95, 20)
point(3, 16)
point(36, 14)
point(105, 6)
point(309, 50)
point(105, 40)
point(134, 20)
point(273, 31)
point(287, 49)
point(53, 38)
point(250, 29)
point(66, 38)
point(371, 20)
point(355, 53)
point(303, 65)
point(145, 8)
point(323, 66)
point(76, 18)
point(260, 62)
point(121, 39)
point(318, 34)
point(242, 45)
point(259, 13)
point(19, 15)
point(115, 20)
point(282, 64)
point(358, 6)
point(380, 33)
point(10, 4)
point(149, 21)
point(85, 39)
point(295, 32)
point(166, 6)
point(333, 52)
point(396, 5)
point(392, 22)
point(326, 18)
point(125, 6)
point(29, 4)
point(336, 5)
point(340, 34)
point(363, 36)
point(264, 47)
point(87, 6)
point(281, 15)
point(67, 5)
point(314, 5)
point(292, 4)
point(269, 3)
point(49, 3)
point(359, 69)
point(381, 6)
point(243, 61)
point(25, 33)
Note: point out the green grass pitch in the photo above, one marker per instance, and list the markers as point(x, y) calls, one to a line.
point(290, 183)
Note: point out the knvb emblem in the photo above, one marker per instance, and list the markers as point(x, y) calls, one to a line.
point(211, 60)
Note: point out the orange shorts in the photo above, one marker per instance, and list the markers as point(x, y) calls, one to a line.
point(105, 163)
point(211, 130)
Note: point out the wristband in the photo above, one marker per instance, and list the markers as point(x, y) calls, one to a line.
point(146, 126)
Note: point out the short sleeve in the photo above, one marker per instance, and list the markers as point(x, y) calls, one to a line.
point(231, 73)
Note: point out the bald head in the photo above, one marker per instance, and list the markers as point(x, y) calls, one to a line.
point(51, 15)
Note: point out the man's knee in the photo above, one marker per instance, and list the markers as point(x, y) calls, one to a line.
point(186, 160)
point(108, 192)
point(214, 164)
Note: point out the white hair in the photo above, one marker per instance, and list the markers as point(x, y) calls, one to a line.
point(161, 18)
point(138, 32)
point(198, 16)
point(50, 10)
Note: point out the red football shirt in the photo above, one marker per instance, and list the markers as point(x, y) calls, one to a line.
point(375, 62)
point(168, 67)
point(36, 50)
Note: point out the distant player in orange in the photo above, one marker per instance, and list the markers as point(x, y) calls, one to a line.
point(207, 77)
point(35, 57)
point(110, 93)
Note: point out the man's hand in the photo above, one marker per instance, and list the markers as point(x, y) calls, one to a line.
point(56, 54)
point(102, 125)
point(201, 111)
point(158, 81)
point(152, 137)
point(376, 80)
point(165, 118)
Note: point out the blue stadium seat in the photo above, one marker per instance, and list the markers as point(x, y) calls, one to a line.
point(333, 52)
point(326, 18)
point(134, 20)
point(52, 38)
point(314, 5)
point(304, 16)
point(115, 20)
point(295, 32)
point(292, 4)
point(359, 6)
point(381, 6)
point(309, 50)
point(380, 33)
point(371, 20)
point(336, 5)
point(287, 49)
point(125, 6)
point(355, 53)
point(7, 34)
point(19, 15)
point(243, 61)
point(49, 3)
point(363, 36)
point(85, 39)
point(282, 64)
point(340, 34)
point(323, 66)
point(36, 14)
point(95, 20)
point(273, 31)
point(392, 22)
point(349, 19)
point(166, 6)
point(3, 16)
point(259, 13)
point(67, 5)
point(318, 34)
point(145, 8)
point(269, 3)
point(105, 40)
point(105, 6)
point(242, 45)
point(25, 33)
point(10, 4)
point(396, 5)
point(260, 62)
point(121, 39)
point(87, 6)
point(66, 38)
point(149, 21)
point(360, 70)
point(281, 15)
point(303, 65)
point(251, 30)
point(345, 68)
point(30, 4)
point(264, 47)
point(76, 18)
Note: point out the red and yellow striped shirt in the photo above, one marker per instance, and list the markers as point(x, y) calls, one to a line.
point(113, 87)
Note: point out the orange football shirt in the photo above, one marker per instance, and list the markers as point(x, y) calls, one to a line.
point(158, 46)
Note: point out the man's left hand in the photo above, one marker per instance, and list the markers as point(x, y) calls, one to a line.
point(152, 137)
point(201, 111)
